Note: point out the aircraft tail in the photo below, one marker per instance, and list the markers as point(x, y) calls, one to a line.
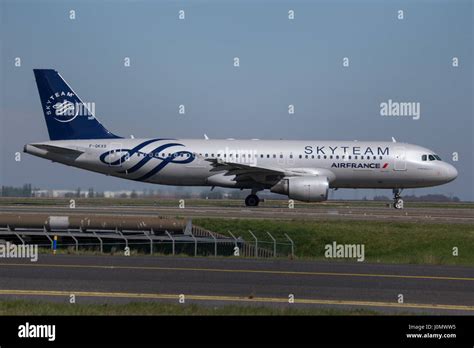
point(67, 117)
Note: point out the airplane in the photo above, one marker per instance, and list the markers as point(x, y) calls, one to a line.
point(302, 170)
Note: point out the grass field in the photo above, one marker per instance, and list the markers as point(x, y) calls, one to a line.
point(27, 307)
point(155, 202)
point(385, 242)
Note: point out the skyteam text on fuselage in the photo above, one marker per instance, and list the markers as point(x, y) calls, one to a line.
point(302, 170)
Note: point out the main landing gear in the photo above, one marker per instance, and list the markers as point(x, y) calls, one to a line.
point(252, 199)
point(397, 199)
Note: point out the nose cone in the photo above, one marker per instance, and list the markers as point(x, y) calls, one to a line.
point(451, 173)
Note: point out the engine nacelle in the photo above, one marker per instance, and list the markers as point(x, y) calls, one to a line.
point(303, 188)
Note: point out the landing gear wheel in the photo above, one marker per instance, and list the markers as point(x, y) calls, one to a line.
point(252, 201)
point(398, 203)
point(397, 199)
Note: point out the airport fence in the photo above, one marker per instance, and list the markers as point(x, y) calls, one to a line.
point(195, 242)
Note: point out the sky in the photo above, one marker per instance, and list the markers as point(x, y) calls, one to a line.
point(282, 61)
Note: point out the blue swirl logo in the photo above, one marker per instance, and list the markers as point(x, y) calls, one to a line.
point(178, 157)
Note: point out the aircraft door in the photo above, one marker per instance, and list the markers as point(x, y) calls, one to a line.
point(400, 159)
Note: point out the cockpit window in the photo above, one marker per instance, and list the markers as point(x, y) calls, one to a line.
point(432, 157)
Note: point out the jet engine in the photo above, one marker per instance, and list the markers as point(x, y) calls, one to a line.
point(303, 188)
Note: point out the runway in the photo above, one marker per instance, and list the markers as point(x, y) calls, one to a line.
point(219, 281)
point(369, 213)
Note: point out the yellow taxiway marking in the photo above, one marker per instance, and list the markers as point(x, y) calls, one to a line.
point(151, 296)
point(223, 270)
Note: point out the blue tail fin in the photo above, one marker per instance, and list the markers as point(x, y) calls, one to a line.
point(67, 117)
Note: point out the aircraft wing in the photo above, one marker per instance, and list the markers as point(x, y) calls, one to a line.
point(263, 175)
point(233, 168)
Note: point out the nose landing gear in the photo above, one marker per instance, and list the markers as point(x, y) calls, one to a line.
point(397, 199)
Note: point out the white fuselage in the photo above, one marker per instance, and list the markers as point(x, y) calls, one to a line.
point(189, 162)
